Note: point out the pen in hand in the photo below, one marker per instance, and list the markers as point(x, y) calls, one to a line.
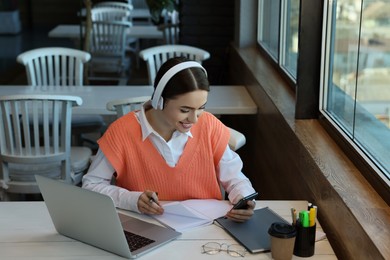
point(154, 198)
point(148, 203)
point(153, 205)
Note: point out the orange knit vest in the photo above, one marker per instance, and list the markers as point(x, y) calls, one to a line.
point(139, 166)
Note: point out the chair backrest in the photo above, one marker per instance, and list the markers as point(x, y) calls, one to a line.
point(109, 14)
point(170, 33)
point(156, 56)
point(237, 139)
point(114, 4)
point(109, 38)
point(124, 106)
point(35, 133)
point(54, 66)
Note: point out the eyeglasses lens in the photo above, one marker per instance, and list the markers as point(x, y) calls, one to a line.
point(211, 248)
point(236, 250)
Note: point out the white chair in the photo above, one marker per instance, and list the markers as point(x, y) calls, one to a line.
point(114, 4)
point(35, 138)
point(108, 49)
point(108, 14)
point(54, 66)
point(156, 56)
point(57, 66)
point(116, 11)
point(126, 105)
point(170, 33)
point(237, 139)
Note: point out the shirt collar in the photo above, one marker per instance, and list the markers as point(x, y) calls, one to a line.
point(146, 128)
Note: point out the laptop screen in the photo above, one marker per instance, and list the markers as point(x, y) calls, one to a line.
point(92, 218)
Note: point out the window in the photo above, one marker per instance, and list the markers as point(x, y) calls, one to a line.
point(289, 43)
point(355, 91)
point(268, 26)
point(278, 26)
point(355, 73)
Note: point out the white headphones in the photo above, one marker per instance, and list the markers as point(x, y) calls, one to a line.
point(157, 100)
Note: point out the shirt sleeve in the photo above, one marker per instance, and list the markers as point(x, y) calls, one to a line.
point(98, 179)
point(231, 177)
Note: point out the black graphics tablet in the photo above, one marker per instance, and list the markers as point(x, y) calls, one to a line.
point(253, 234)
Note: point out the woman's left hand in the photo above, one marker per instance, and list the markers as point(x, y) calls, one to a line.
point(242, 215)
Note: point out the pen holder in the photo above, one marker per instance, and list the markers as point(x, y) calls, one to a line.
point(305, 240)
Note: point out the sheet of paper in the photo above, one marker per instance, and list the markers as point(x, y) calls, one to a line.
point(181, 218)
point(179, 209)
point(320, 235)
point(210, 208)
point(192, 213)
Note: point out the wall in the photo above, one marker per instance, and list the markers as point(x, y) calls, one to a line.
point(48, 13)
point(209, 25)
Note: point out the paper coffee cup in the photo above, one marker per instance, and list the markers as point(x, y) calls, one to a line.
point(282, 240)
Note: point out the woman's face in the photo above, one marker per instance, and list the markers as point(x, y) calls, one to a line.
point(183, 111)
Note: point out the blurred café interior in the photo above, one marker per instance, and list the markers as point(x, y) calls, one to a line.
point(317, 72)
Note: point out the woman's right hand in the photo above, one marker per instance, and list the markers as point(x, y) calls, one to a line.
point(148, 203)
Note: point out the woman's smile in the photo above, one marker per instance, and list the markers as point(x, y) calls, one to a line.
point(186, 126)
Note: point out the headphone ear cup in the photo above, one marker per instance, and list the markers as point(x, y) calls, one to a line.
point(160, 103)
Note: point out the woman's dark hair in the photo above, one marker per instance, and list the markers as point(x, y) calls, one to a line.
point(184, 81)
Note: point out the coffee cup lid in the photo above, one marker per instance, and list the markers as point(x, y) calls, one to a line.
point(282, 230)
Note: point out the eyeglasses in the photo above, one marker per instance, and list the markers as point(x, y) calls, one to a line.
point(212, 248)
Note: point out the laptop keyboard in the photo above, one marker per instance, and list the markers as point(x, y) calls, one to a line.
point(136, 241)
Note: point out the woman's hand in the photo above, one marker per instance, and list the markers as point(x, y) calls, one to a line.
point(242, 215)
point(148, 203)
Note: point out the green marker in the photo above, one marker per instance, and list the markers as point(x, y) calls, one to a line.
point(304, 218)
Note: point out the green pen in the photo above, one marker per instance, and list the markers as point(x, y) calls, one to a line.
point(304, 217)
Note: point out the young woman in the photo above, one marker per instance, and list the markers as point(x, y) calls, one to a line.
point(171, 147)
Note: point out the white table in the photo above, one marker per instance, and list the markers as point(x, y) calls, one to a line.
point(72, 31)
point(27, 232)
point(222, 100)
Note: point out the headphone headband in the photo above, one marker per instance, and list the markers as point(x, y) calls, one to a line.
point(157, 100)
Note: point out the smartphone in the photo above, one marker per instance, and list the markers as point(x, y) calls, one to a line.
point(241, 204)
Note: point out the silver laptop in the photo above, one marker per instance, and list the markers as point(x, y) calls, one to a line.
point(91, 217)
